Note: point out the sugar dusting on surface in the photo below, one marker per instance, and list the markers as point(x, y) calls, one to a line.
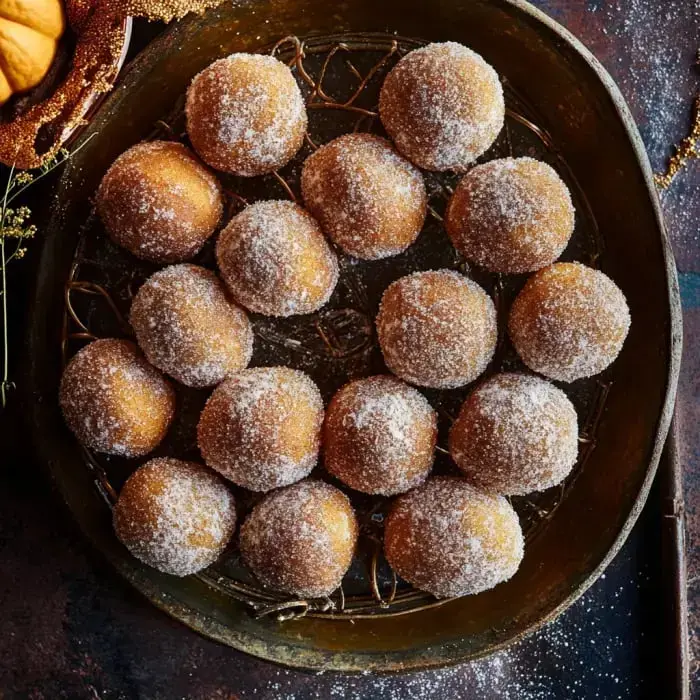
point(368, 199)
point(261, 428)
point(437, 328)
point(188, 328)
point(158, 201)
point(580, 655)
point(569, 321)
point(511, 215)
point(175, 516)
point(246, 114)
point(275, 260)
point(443, 106)
point(379, 436)
point(301, 539)
point(451, 539)
point(114, 401)
point(515, 434)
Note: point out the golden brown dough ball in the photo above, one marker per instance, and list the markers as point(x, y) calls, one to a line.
point(569, 321)
point(175, 516)
point(159, 202)
point(261, 428)
point(437, 329)
point(450, 539)
point(275, 260)
point(515, 434)
point(379, 436)
point(245, 114)
point(187, 327)
point(114, 401)
point(301, 539)
point(511, 215)
point(368, 199)
point(442, 105)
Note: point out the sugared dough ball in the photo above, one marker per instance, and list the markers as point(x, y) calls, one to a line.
point(261, 428)
point(245, 114)
point(443, 106)
point(159, 202)
point(569, 321)
point(275, 260)
point(367, 198)
point(301, 539)
point(379, 436)
point(114, 401)
point(437, 329)
point(511, 215)
point(450, 539)
point(175, 516)
point(515, 434)
point(187, 327)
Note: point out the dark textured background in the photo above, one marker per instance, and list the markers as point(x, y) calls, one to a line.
point(71, 628)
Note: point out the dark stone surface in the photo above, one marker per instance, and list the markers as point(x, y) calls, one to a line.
point(71, 628)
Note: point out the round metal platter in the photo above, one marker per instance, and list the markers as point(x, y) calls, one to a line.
point(563, 108)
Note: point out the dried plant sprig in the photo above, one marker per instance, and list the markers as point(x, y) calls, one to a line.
point(686, 150)
point(15, 231)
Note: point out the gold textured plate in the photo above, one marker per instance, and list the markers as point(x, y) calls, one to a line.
point(563, 107)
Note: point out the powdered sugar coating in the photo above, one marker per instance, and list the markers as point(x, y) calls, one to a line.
point(511, 215)
point(368, 199)
point(262, 427)
point(275, 260)
point(245, 114)
point(379, 436)
point(569, 321)
point(188, 328)
point(437, 329)
point(175, 516)
point(450, 539)
point(442, 105)
point(301, 539)
point(114, 401)
point(159, 202)
point(515, 434)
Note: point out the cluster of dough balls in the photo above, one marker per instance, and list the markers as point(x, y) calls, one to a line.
point(262, 429)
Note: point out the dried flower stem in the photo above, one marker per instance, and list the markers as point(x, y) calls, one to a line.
point(13, 224)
